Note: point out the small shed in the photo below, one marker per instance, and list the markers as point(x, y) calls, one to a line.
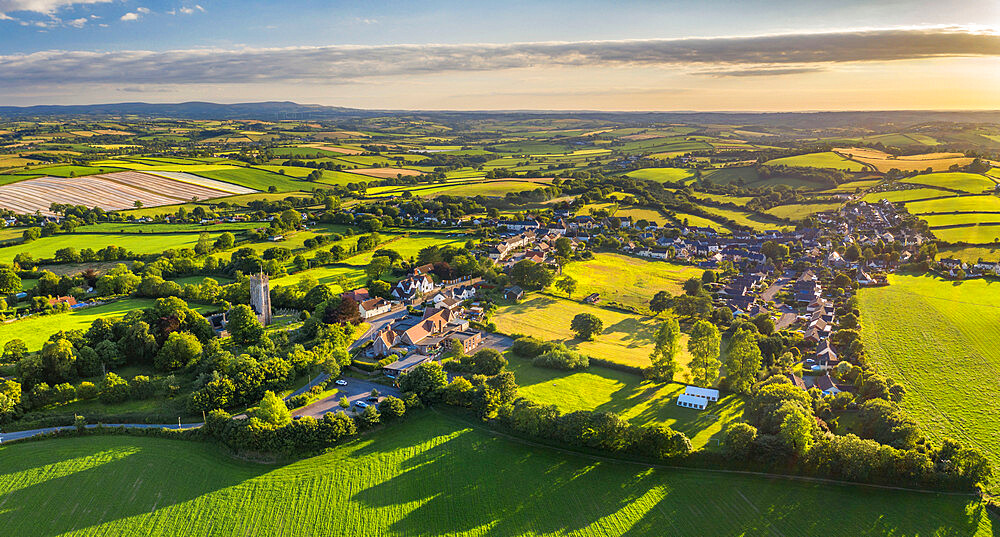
point(691, 401)
point(707, 394)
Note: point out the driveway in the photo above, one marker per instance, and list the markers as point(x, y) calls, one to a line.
point(768, 294)
point(495, 341)
point(356, 390)
point(376, 324)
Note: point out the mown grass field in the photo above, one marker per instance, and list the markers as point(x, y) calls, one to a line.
point(970, 254)
point(965, 182)
point(969, 234)
point(798, 211)
point(627, 339)
point(955, 203)
point(758, 223)
point(912, 194)
point(45, 247)
point(662, 175)
point(827, 159)
point(431, 475)
point(628, 280)
point(639, 401)
point(35, 331)
point(938, 338)
point(959, 219)
point(254, 178)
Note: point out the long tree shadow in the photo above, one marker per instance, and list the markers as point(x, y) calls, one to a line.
point(109, 487)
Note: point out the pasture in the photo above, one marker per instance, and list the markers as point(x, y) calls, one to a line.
point(828, 159)
point(970, 254)
point(798, 211)
point(628, 280)
point(626, 339)
point(969, 234)
point(662, 175)
point(938, 338)
point(758, 223)
point(641, 402)
point(910, 194)
point(955, 203)
point(883, 162)
point(35, 331)
point(432, 474)
point(45, 247)
point(961, 181)
point(253, 178)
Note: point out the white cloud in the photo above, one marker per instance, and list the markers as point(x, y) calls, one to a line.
point(187, 10)
point(720, 56)
point(78, 23)
point(42, 6)
point(143, 10)
point(130, 17)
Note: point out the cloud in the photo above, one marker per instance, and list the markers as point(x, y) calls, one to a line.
point(726, 56)
point(78, 23)
point(143, 10)
point(130, 17)
point(46, 7)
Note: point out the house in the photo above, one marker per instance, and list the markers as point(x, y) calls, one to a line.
point(464, 292)
point(68, 300)
point(423, 269)
point(513, 293)
point(383, 341)
point(691, 401)
point(825, 357)
point(826, 385)
point(373, 307)
point(405, 365)
point(708, 394)
point(358, 295)
point(412, 287)
point(592, 298)
point(796, 380)
point(470, 339)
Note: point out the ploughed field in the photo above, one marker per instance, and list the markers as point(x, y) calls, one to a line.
point(938, 338)
point(111, 191)
point(432, 474)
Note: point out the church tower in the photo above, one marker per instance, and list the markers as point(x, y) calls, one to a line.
point(260, 298)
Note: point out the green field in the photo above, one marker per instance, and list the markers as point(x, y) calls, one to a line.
point(939, 338)
point(828, 159)
point(45, 248)
point(431, 475)
point(627, 339)
point(699, 221)
point(896, 196)
point(753, 221)
point(639, 401)
point(970, 254)
point(35, 331)
point(959, 219)
point(955, 203)
point(969, 234)
point(965, 182)
point(798, 211)
point(253, 178)
point(662, 175)
point(628, 280)
point(721, 198)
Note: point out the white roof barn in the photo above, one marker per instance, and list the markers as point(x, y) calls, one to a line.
point(692, 401)
point(705, 393)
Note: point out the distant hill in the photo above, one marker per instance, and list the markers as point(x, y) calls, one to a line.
point(277, 110)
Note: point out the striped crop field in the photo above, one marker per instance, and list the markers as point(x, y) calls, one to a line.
point(432, 474)
point(111, 191)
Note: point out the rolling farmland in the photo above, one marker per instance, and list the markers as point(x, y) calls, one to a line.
point(430, 475)
point(628, 280)
point(964, 182)
point(828, 159)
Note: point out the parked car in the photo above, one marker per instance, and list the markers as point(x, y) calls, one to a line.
point(340, 382)
point(372, 399)
point(361, 404)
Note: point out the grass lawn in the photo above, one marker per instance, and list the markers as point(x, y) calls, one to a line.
point(626, 339)
point(662, 175)
point(628, 280)
point(938, 338)
point(966, 182)
point(798, 211)
point(35, 331)
point(969, 234)
point(639, 401)
point(435, 475)
point(827, 159)
point(45, 248)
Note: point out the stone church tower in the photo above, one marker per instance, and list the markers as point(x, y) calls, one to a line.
point(260, 298)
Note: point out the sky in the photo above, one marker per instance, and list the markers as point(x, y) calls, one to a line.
point(711, 55)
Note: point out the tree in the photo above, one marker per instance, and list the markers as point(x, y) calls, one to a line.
point(272, 410)
point(392, 407)
point(217, 393)
point(225, 241)
point(114, 389)
point(10, 282)
point(530, 275)
point(244, 325)
point(796, 431)
point(692, 306)
point(704, 348)
point(180, 349)
point(488, 362)
point(424, 380)
point(567, 285)
point(13, 351)
point(665, 349)
point(59, 360)
point(693, 287)
point(370, 416)
point(743, 362)
point(740, 440)
point(764, 323)
point(377, 267)
point(10, 397)
point(587, 326)
point(344, 403)
point(660, 301)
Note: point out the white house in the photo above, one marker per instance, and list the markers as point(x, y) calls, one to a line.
point(708, 394)
point(373, 307)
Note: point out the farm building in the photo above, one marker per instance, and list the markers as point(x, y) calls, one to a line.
point(692, 401)
point(708, 394)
